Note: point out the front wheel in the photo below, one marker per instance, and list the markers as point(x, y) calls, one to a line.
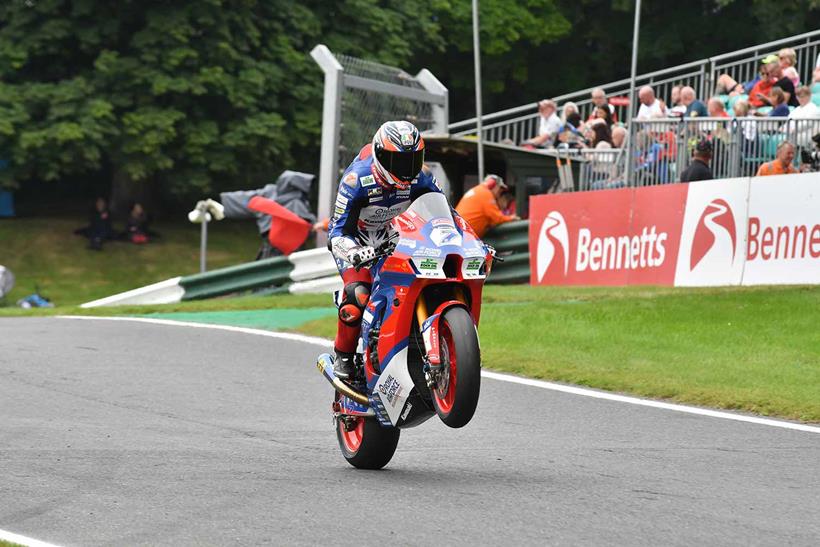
point(364, 443)
point(455, 395)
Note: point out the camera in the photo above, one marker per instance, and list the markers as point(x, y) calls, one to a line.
point(812, 158)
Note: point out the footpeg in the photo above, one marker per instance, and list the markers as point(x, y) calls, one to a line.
point(325, 366)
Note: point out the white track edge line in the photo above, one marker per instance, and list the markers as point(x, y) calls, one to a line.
point(23, 540)
point(574, 390)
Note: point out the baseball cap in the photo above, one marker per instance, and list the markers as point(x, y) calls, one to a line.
point(704, 146)
point(769, 59)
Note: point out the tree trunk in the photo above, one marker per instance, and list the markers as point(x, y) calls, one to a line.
point(125, 192)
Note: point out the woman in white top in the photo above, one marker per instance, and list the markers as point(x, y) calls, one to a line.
point(806, 111)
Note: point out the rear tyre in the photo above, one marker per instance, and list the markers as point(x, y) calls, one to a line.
point(366, 444)
point(455, 396)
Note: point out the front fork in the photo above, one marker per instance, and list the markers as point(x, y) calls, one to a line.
point(428, 325)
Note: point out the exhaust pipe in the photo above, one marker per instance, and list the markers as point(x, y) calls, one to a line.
point(325, 366)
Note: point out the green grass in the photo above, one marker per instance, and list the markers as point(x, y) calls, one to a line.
point(751, 349)
point(4, 543)
point(44, 252)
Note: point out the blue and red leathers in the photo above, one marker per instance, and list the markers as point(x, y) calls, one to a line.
point(362, 213)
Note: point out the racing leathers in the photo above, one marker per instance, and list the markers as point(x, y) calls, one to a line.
point(360, 223)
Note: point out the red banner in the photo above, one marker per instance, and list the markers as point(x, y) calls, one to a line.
point(607, 237)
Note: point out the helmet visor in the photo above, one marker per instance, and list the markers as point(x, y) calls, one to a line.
point(402, 165)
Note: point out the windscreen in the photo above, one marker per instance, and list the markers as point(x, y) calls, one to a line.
point(432, 205)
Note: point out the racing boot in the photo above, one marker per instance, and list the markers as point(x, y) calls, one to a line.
point(343, 366)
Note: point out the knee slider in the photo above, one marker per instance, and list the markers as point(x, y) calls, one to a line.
point(354, 300)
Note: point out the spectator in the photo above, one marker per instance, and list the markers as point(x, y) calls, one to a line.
point(806, 111)
point(569, 109)
point(569, 137)
point(618, 136)
point(480, 206)
point(788, 60)
point(599, 100)
point(716, 108)
point(760, 91)
point(506, 202)
point(726, 85)
point(651, 107)
point(99, 226)
point(699, 168)
point(781, 164)
point(694, 108)
point(136, 225)
point(652, 166)
point(777, 98)
point(781, 81)
point(678, 109)
point(548, 125)
point(600, 136)
point(601, 113)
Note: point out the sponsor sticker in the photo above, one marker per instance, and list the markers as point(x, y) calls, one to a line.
point(474, 252)
point(350, 179)
point(428, 264)
point(427, 251)
point(391, 390)
point(474, 264)
point(374, 199)
point(403, 193)
point(339, 210)
point(407, 139)
point(368, 180)
point(341, 201)
point(406, 412)
point(406, 242)
point(374, 192)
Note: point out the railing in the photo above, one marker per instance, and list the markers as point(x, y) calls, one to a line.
point(663, 148)
point(515, 125)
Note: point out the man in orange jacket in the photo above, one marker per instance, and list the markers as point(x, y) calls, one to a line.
point(479, 206)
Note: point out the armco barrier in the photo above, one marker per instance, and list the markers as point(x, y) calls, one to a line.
point(245, 277)
point(511, 240)
point(312, 271)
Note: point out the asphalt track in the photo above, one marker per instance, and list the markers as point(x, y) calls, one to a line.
point(123, 433)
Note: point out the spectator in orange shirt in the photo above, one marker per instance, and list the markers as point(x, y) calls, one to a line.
point(479, 206)
point(781, 164)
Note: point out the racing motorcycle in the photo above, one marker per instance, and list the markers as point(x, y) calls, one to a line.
point(418, 352)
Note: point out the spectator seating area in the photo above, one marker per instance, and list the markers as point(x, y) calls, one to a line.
point(746, 102)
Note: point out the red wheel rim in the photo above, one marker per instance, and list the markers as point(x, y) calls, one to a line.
point(353, 438)
point(446, 394)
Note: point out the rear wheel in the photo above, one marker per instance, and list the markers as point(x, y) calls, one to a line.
point(364, 443)
point(455, 395)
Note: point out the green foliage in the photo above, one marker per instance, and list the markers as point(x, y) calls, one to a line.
point(201, 95)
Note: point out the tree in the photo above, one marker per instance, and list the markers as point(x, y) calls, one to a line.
point(190, 96)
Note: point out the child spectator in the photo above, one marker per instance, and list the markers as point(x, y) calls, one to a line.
point(788, 60)
point(778, 101)
point(783, 82)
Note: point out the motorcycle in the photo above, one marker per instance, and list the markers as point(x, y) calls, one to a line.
point(418, 353)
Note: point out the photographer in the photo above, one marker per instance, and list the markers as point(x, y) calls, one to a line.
point(810, 160)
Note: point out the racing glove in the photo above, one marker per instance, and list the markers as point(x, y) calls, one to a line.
point(360, 255)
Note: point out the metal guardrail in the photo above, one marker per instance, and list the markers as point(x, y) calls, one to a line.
point(739, 145)
point(521, 123)
point(244, 277)
point(512, 241)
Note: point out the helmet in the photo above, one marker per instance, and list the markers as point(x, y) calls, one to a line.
point(398, 154)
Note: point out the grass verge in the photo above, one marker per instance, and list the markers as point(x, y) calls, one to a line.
point(44, 253)
point(751, 349)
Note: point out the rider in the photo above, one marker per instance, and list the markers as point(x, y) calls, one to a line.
point(380, 183)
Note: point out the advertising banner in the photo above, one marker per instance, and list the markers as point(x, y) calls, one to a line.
point(763, 230)
point(783, 236)
point(608, 237)
point(713, 237)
